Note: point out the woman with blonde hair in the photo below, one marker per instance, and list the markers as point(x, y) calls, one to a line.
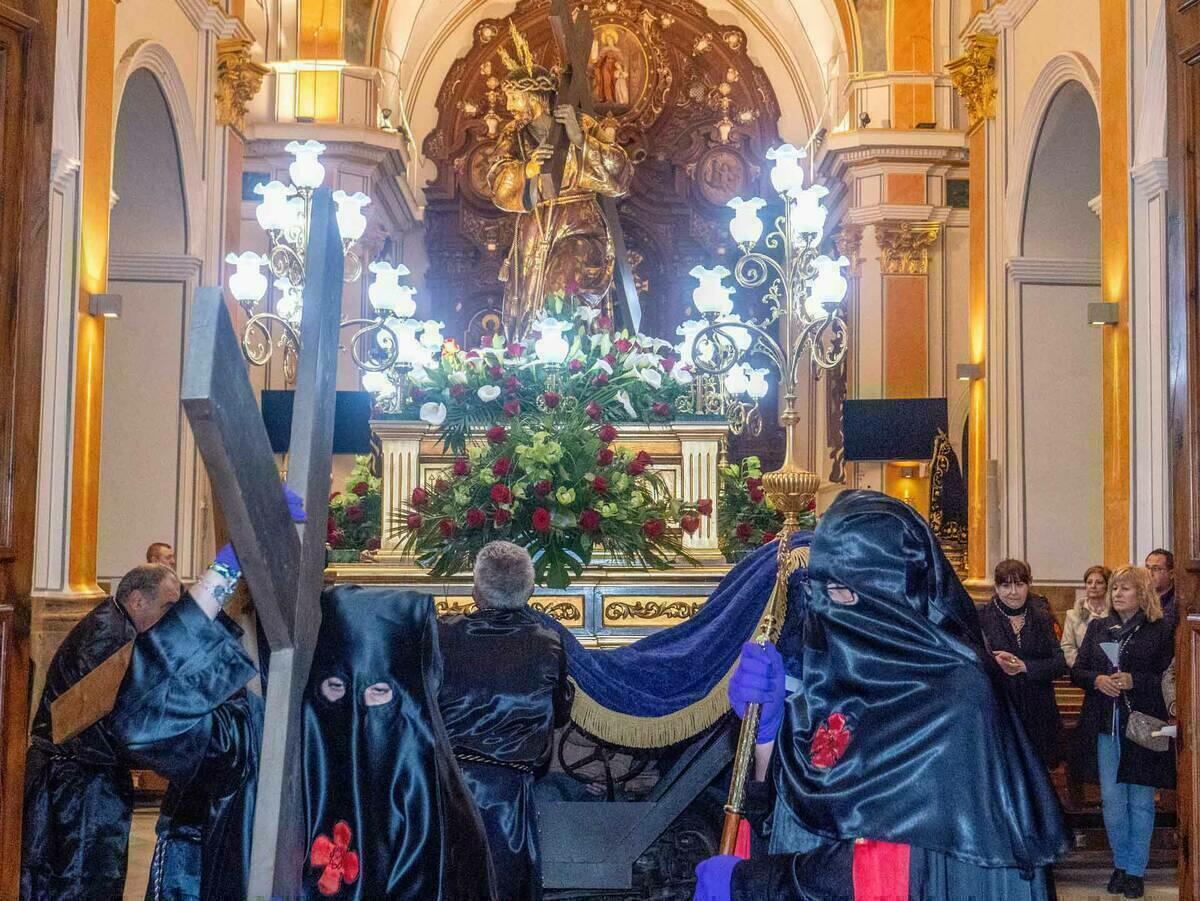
point(1120, 667)
point(1092, 604)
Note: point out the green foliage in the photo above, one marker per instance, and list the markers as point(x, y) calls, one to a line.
point(356, 512)
point(748, 519)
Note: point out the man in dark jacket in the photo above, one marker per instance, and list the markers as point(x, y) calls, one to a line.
point(504, 692)
point(1161, 564)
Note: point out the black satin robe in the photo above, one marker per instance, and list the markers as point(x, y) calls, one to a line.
point(505, 691)
point(86, 780)
point(388, 814)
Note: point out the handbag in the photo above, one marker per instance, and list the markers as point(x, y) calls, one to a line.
point(1140, 728)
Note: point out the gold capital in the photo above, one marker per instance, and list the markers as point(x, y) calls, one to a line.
point(905, 247)
point(974, 76)
point(848, 240)
point(238, 80)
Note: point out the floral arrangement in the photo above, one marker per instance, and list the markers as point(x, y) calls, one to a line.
point(629, 377)
point(748, 519)
point(355, 513)
point(549, 479)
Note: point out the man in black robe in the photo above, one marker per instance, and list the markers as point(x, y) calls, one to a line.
point(504, 693)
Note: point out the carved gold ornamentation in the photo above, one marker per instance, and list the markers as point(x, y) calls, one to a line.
point(569, 612)
point(905, 248)
point(974, 76)
point(238, 80)
point(618, 612)
point(849, 244)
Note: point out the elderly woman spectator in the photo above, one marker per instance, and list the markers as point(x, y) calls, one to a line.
point(1120, 666)
point(1020, 636)
point(1092, 605)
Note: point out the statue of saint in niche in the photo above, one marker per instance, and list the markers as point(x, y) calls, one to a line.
point(609, 70)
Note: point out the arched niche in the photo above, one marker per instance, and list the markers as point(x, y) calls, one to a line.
point(143, 477)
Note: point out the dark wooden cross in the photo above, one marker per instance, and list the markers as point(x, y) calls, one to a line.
point(574, 38)
point(283, 563)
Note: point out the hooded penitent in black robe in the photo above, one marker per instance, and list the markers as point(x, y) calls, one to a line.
point(504, 691)
point(181, 711)
point(901, 732)
point(388, 814)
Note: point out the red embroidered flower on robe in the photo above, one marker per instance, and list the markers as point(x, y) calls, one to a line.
point(830, 742)
point(340, 863)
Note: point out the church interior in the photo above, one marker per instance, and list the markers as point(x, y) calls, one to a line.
point(944, 250)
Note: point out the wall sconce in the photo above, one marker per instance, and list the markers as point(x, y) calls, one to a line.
point(106, 305)
point(908, 472)
point(1103, 314)
point(968, 372)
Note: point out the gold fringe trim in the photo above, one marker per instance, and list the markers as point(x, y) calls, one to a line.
point(631, 731)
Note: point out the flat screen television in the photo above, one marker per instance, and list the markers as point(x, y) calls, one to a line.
point(351, 421)
point(892, 429)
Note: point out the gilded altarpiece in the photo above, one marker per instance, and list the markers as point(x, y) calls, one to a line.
point(678, 92)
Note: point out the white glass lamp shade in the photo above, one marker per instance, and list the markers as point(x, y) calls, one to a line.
point(378, 384)
point(741, 338)
point(385, 292)
point(431, 334)
point(247, 284)
point(808, 214)
point(711, 297)
point(306, 169)
point(787, 177)
point(552, 348)
point(290, 301)
point(405, 305)
point(273, 212)
point(828, 288)
point(350, 219)
point(687, 331)
point(409, 351)
point(746, 227)
point(757, 386)
point(737, 379)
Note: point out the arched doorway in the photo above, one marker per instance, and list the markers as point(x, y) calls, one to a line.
point(141, 448)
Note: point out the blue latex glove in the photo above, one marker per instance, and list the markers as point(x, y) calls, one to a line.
point(227, 557)
point(295, 505)
point(713, 878)
point(759, 679)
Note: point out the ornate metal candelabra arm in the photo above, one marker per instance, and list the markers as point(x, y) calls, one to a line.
point(379, 355)
point(718, 335)
point(820, 338)
point(354, 265)
point(753, 270)
point(259, 342)
point(286, 259)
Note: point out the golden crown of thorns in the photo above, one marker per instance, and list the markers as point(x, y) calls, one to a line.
point(523, 73)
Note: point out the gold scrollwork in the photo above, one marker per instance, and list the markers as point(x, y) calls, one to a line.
point(905, 248)
point(616, 611)
point(974, 76)
point(563, 611)
point(238, 80)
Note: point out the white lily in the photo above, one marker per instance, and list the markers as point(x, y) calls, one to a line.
point(624, 401)
point(652, 377)
point(433, 413)
point(603, 366)
point(682, 375)
point(602, 343)
point(457, 377)
point(488, 393)
point(586, 313)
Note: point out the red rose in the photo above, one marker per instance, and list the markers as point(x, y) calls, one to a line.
point(372, 544)
point(603, 322)
point(635, 468)
point(502, 467)
point(440, 485)
point(643, 458)
point(414, 521)
point(420, 497)
point(589, 520)
point(768, 537)
point(751, 484)
point(661, 409)
point(622, 345)
point(334, 539)
point(447, 527)
point(512, 384)
point(501, 494)
point(689, 522)
point(458, 390)
point(757, 495)
point(599, 484)
point(541, 519)
point(461, 467)
point(515, 350)
point(473, 353)
point(594, 410)
point(542, 488)
point(355, 513)
point(607, 433)
point(704, 506)
point(575, 366)
point(497, 434)
point(475, 518)
point(360, 489)
point(418, 395)
point(605, 456)
point(668, 363)
point(744, 531)
point(330, 524)
point(610, 359)
point(495, 371)
point(551, 399)
point(512, 407)
point(600, 379)
point(500, 516)
point(653, 528)
point(830, 742)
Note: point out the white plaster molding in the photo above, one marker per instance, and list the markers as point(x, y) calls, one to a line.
point(1064, 68)
point(1150, 177)
point(205, 16)
point(1096, 204)
point(1002, 17)
point(1150, 135)
point(157, 60)
point(113, 199)
point(62, 168)
point(153, 267)
point(1052, 271)
point(897, 212)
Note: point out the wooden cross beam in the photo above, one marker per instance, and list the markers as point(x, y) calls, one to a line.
point(574, 39)
point(283, 564)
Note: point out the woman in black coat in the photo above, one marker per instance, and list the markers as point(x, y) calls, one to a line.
point(1126, 772)
point(1020, 636)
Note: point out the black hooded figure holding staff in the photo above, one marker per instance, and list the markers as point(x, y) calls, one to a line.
point(900, 769)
